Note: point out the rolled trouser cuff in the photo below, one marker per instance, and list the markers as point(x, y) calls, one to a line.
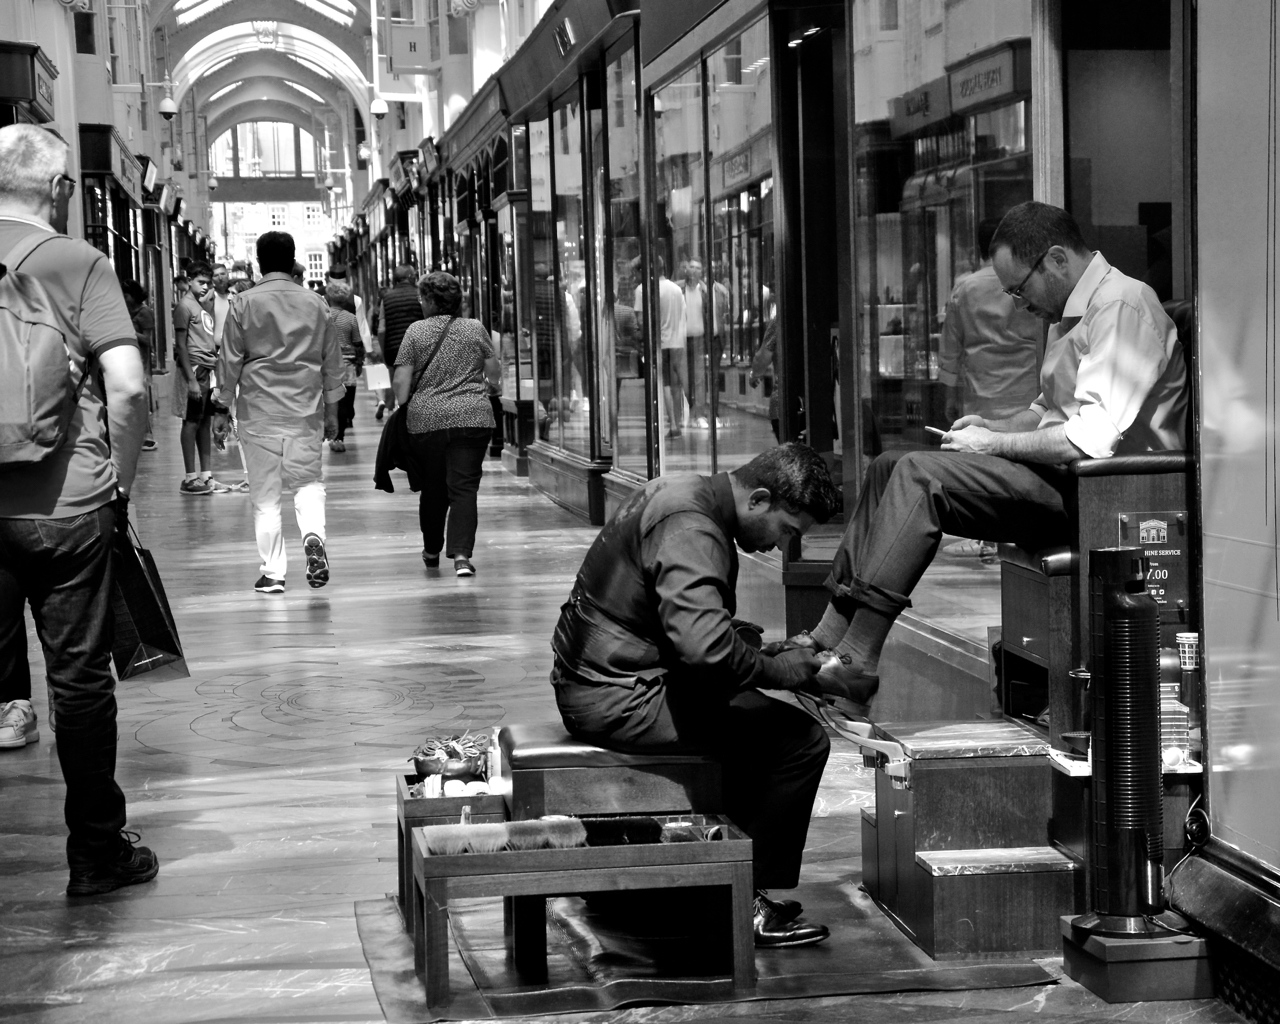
point(878, 599)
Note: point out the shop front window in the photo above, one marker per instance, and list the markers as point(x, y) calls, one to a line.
point(516, 339)
point(620, 312)
point(942, 152)
point(742, 365)
point(542, 239)
point(571, 406)
point(678, 275)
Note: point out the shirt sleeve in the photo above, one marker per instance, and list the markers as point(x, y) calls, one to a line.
point(104, 318)
point(231, 356)
point(181, 319)
point(687, 558)
point(407, 355)
point(950, 345)
point(1126, 356)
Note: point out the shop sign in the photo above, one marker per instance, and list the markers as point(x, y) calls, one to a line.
point(991, 77)
point(920, 108)
point(127, 171)
point(1162, 536)
point(410, 47)
point(737, 168)
point(26, 78)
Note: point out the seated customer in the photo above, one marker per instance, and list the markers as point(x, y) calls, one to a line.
point(1113, 382)
point(647, 658)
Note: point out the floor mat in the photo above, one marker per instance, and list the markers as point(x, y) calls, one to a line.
point(595, 963)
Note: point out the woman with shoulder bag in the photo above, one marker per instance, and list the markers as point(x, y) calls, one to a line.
point(442, 372)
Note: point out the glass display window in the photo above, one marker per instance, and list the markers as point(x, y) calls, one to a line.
point(515, 338)
point(542, 244)
point(679, 248)
point(619, 188)
point(570, 402)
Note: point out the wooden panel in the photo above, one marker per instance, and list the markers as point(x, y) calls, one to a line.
point(971, 803)
point(572, 482)
point(1024, 612)
point(974, 914)
point(870, 855)
point(661, 789)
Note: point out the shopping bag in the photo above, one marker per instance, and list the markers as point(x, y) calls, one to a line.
point(376, 376)
point(146, 639)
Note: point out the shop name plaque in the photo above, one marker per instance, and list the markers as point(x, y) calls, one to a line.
point(1162, 536)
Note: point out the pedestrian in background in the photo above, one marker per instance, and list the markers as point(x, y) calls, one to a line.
point(342, 316)
point(443, 369)
point(195, 350)
point(281, 351)
point(144, 326)
point(399, 308)
point(58, 513)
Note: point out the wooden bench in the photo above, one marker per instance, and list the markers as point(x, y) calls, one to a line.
point(535, 874)
point(547, 771)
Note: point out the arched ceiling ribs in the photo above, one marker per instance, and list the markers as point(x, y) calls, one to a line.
point(291, 40)
point(259, 110)
point(270, 64)
point(265, 89)
point(282, 12)
point(163, 13)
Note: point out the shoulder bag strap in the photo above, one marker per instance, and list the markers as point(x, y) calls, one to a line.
point(443, 334)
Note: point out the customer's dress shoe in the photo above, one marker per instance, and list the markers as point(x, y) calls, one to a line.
point(845, 703)
point(802, 640)
point(783, 910)
point(773, 933)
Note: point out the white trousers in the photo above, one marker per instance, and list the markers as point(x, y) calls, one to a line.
point(275, 463)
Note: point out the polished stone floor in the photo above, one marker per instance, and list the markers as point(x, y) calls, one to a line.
point(264, 781)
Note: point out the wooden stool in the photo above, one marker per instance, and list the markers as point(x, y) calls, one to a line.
point(536, 874)
point(547, 771)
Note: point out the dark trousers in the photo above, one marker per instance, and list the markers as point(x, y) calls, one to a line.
point(773, 753)
point(909, 499)
point(62, 567)
point(346, 411)
point(451, 463)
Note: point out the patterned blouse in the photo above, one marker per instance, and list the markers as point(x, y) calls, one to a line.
point(452, 391)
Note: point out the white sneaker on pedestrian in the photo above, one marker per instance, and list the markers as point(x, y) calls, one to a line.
point(17, 724)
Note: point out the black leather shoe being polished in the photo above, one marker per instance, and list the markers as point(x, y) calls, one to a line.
point(803, 639)
point(772, 933)
point(784, 910)
point(317, 560)
point(132, 865)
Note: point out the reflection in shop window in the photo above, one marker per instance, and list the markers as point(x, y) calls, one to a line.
point(570, 402)
point(542, 238)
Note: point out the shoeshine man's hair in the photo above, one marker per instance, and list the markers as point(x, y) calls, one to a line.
point(797, 478)
point(30, 158)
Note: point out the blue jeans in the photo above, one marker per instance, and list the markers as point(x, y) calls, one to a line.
point(63, 568)
point(451, 462)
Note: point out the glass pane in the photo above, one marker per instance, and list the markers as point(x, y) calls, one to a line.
point(603, 410)
point(516, 348)
point(542, 238)
point(741, 368)
point(630, 451)
point(679, 246)
point(936, 335)
point(572, 406)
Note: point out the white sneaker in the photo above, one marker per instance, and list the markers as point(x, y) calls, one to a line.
point(18, 724)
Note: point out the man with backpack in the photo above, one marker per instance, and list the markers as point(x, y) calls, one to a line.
point(68, 452)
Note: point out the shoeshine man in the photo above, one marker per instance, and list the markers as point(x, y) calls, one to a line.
point(648, 657)
point(281, 365)
point(1113, 382)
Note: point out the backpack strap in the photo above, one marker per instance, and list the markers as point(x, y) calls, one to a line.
point(26, 246)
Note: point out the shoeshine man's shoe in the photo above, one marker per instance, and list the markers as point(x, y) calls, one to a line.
point(784, 910)
point(772, 932)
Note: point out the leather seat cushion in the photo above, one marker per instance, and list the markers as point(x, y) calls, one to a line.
point(1056, 561)
point(549, 745)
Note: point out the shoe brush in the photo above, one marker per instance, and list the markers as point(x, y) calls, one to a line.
point(449, 840)
point(563, 834)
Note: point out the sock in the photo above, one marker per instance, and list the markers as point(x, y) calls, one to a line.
point(189, 477)
point(864, 639)
point(835, 622)
point(205, 474)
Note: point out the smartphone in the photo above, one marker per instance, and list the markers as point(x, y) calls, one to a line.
point(935, 430)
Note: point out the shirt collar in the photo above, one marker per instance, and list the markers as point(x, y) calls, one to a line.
point(726, 508)
point(28, 220)
point(1078, 300)
point(275, 275)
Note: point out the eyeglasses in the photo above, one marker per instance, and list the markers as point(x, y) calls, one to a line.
point(70, 181)
point(1017, 292)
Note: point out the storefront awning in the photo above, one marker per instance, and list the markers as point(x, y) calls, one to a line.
point(571, 33)
point(485, 115)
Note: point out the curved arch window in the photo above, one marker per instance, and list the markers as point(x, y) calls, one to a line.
point(263, 149)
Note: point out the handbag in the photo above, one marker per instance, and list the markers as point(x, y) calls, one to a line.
point(377, 377)
point(146, 639)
